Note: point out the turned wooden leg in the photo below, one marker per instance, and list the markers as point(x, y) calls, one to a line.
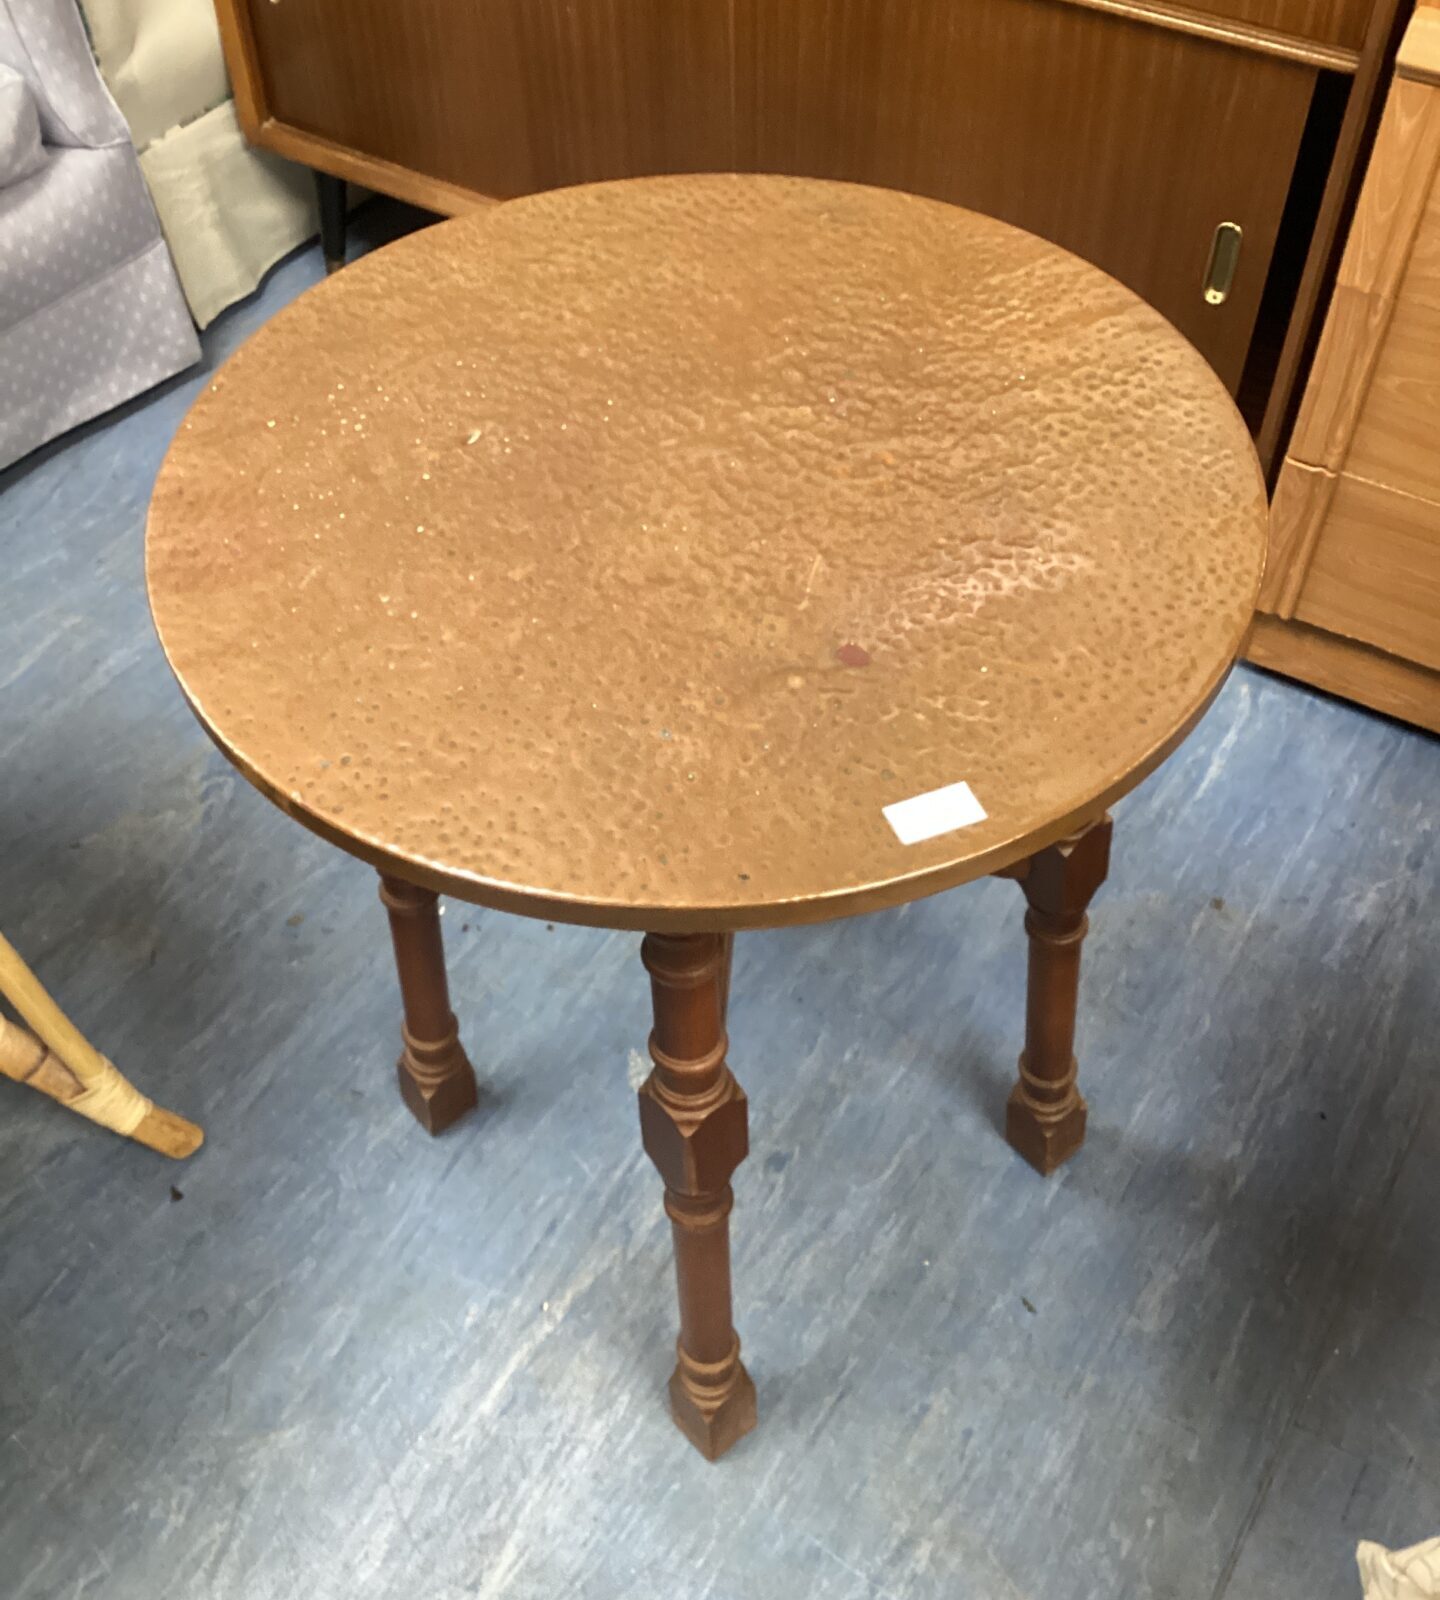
point(727, 960)
point(437, 1082)
point(1045, 1119)
point(693, 1124)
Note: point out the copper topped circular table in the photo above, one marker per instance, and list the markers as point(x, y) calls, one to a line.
point(704, 553)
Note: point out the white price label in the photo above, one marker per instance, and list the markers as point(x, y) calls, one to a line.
point(926, 816)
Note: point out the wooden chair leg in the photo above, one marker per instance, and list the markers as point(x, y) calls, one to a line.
point(58, 1060)
point(693, 1125)
point(1045, 1118)
point(437, 1081)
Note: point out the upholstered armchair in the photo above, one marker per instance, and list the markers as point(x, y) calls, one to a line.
point(91, 311)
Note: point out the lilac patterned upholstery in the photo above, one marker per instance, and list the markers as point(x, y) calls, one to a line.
point(90, 309)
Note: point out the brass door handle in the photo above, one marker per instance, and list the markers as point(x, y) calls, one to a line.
point(1224, 258)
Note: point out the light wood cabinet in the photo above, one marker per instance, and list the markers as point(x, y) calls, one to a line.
point(1126, 130)
point(1352, 588)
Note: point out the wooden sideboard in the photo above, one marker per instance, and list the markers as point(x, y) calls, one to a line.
point(1352, 590)
point(1131, 131)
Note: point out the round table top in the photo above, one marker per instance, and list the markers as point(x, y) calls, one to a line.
point(621, 554)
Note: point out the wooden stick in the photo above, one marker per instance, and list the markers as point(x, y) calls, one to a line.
point(62, 1063)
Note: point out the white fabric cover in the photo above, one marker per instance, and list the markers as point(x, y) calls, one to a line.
point(161, 59)
point(1411, 1574)
point(229, 212)
point(20, 148)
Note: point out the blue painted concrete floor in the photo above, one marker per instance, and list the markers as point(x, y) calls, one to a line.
point(341, 1360)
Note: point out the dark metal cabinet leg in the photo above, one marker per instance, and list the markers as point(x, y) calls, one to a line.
point(331, 194)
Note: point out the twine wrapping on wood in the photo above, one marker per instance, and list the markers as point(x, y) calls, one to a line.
point(62, 1063)
point(22, 1055)
point(112, 1101)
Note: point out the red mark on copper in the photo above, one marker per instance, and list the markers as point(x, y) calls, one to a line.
point(851, 655)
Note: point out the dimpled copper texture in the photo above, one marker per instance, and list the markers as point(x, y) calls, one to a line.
point(616, 554)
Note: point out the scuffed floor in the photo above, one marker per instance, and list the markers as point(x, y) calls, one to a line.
point(340, 1361)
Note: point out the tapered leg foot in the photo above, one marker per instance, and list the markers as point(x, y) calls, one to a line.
point(438, 1085)
point(1046, 1139)
point(1045, 1116)
point(712, 1416)
point(436, 1079)
point(693, 1122)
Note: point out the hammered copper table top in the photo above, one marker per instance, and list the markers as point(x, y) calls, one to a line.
point(617, 554)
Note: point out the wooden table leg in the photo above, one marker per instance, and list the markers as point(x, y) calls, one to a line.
point(1045, 1118)
point(693, 1124)
point(727, 960)
point(437, 1081)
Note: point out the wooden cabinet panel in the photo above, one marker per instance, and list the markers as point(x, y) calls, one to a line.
point(1397, 437)
point(1345, 667)
point(1375, 574)
point(1125, 143)
point(504, 97)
